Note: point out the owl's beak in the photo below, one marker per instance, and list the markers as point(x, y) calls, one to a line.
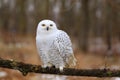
point(47, 28)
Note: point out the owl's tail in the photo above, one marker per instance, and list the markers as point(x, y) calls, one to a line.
point(71, 61)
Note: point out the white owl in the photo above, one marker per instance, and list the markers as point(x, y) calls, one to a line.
point(54, 46)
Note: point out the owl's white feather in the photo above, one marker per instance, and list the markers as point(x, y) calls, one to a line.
point(54, 46)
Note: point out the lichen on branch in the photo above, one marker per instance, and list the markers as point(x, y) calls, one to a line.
point(27, 68)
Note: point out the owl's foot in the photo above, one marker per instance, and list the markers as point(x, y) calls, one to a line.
point(47, 65)
point(44, 66)
point(61, 68)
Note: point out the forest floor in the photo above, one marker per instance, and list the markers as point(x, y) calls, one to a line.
point(24, 49)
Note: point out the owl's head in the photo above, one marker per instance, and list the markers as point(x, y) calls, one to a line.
point(46, 26)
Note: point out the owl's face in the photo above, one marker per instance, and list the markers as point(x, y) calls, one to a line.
point(46, 26)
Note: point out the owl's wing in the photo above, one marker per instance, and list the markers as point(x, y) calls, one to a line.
point(64, 46)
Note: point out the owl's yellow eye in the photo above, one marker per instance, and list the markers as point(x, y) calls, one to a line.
point(43, 25)
point(51, 25)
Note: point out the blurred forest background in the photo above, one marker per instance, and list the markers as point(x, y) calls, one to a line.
point(95, 22)
point(93, 25)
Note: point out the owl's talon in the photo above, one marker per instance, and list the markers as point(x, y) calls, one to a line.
point(47, 65)
point(44, 66)
point(61, 69)
point(53, 66)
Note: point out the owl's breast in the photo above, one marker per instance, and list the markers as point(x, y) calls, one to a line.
point(45, 43)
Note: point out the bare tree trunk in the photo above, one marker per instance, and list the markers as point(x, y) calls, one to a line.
point(108, 25)
point(4, 16)
point(85, 25)
point(47, 9)
point(30, 16)
point(21, 16)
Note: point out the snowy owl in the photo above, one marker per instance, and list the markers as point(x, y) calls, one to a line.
point(54, 46)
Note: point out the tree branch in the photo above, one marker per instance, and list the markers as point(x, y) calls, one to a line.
point(26, 68)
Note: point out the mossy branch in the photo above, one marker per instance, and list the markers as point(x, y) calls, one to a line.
point(26, 68)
